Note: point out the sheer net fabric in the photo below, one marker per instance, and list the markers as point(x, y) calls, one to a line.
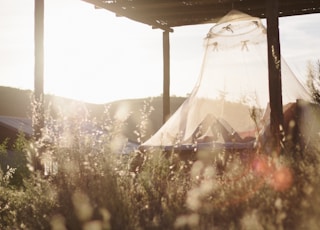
point(228, 105)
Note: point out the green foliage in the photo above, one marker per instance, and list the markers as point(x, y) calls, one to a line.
point(30, 208)
point(15, 159)
point(159, 189)
point(91, 184)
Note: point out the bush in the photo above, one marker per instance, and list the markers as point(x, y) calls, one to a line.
point(30, 208)
point(16, 158)
point(90, 184)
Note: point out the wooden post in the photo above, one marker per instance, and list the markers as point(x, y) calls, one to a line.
point(38, 119)
point(166, 76)
point(274, 65)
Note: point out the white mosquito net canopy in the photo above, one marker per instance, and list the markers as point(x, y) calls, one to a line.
point(230, 98)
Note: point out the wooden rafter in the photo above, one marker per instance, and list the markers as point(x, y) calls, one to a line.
point(166, 14)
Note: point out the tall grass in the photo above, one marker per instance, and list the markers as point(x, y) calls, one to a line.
point(90, 184)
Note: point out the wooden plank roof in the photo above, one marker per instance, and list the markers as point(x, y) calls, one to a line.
point(17, 124)
point(166, 14)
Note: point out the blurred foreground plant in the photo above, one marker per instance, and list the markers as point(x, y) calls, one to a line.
point(93, 184)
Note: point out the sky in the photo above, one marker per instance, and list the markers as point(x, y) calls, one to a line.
point(94, 56)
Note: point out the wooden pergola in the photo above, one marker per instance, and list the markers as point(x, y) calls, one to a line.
point(167, 14)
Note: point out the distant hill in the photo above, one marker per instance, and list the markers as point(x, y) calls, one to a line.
point(135, 106)
point(14, 102)
point(17, 103)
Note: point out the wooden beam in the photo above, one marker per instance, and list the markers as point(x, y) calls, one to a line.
point(274, 65)
point(166, 14)
point(38, 120)
point(166, 76)
point(129, 13)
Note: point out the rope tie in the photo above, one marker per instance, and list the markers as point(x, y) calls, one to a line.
point(215, 46)
point(244, 45)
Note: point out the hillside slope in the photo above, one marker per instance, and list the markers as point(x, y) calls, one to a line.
point(17, 103)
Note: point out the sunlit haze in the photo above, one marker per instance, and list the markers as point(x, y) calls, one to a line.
point(95, 56)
